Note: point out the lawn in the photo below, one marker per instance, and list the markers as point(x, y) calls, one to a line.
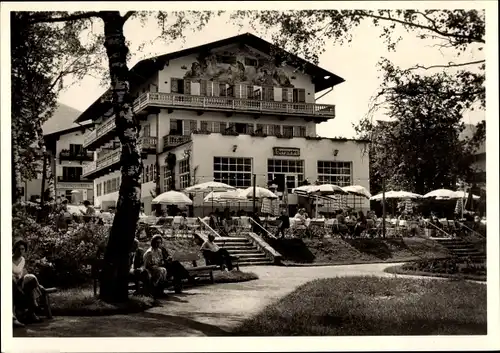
point(347, 306)
point(339, 251)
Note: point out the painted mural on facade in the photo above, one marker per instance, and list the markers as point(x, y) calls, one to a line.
point(260, 71)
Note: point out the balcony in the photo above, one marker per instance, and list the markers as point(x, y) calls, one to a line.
point(94, 138)
point(171, 141)
point(318, 112)
point(104, 164)
point(148, 144)
point(63, 179)
point(71, 156)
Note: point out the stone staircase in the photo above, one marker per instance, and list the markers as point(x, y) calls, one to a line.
point(461, 248)
point(244, 249)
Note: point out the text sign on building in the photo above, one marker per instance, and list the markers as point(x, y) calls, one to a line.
point(75, 185)
point(286, 151)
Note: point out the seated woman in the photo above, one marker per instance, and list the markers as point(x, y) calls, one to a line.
point(137, 271)
point(360, 224)
point(214, 254)
point(154, 264)
point(26, 292)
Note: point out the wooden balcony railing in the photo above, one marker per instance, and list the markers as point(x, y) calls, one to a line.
point(235, 104)
point(63, 179)
point(89, 137)
point(148, 143)
point(102, 161)
point(82, 156)
point(170, 141)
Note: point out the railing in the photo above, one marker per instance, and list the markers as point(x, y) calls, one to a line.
point(106, 127)
point(85, 156)
point(261, 227)
point(238, 104)
point(148, 142)
point(174, 140)
point(208, 227)
point(103, 161)
point(63, 179)
point(89, 137)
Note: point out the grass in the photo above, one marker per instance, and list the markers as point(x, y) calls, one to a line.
point(339, 251)
point(347, 306)
point(81, 302)
point(234, 276)
point(402, 271)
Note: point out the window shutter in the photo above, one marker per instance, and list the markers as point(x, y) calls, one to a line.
point(174, 88)
point(237, 91)
point(203, 88)
point(187, 87)
point(284, 97)
point(193, 124)
point(215, 89)
point(222, 127)
point(250, 128)
point(290, 95)
point(249, 92)
point(261, 128)
point(302, 95)
point(276, 129)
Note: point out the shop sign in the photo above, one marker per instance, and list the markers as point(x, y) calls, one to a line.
point(286, 151)
point(75, 185)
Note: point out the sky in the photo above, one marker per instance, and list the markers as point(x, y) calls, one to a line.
point(356, 62)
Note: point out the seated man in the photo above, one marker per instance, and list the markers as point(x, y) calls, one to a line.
point(214, 254)
point(137, 270)
point(176, 271)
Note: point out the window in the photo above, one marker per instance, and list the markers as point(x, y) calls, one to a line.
point(72, 173)
point(242, 128)
point(177, 85)
point(146, 130)
point(146, 174)
point(167, 179)
point(226, 59)
point(337, 173)
point(250, 62)
point(288, 131)
point(213, 126)
point(299, 131)
point(184, 173)
point(236, 172)
point(299, 95)
point(67, 195)
point(175, 127)
point(292, 169)
point(268, 93)
point(75, 149)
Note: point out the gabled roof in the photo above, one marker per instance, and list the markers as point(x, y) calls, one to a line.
point(322, 78)
point(62, 119)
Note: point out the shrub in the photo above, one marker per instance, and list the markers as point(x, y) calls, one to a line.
point(59, 258)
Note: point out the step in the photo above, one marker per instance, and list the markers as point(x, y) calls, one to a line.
point(253, 258)
point(465, 250)
point(231, 239)
point(242, 251)
point(256, 263)
point(249, 256)
point(244, 241)
point(238, 247)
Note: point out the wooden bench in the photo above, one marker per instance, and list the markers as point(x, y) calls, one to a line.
point(195, 269)
point(234, 260)
point(46, 301)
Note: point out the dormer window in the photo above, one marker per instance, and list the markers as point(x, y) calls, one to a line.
point(250, 62)
point(226, 59)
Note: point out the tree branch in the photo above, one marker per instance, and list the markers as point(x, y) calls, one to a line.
point(428, 28)
point(76, 17)
point(128, 15)
point(446, 66)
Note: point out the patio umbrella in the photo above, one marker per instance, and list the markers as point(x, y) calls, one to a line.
point(357, 190)
point(396, 195)
point(305, 190)
point(465, 195)
point(441, 194)
point(172, 198)
point(209, 186)
point(228, 196)
point(260, 193)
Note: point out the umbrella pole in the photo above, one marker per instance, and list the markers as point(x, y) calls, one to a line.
point(383, 207)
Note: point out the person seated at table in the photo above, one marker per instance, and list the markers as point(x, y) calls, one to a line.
point(361, 224)
point(89, 213)
point(26, 291)
point(283, 225)
point(214, 254)
point(300, 218)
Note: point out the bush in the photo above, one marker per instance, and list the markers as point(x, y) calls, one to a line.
point(446, 266)
point(59, 258)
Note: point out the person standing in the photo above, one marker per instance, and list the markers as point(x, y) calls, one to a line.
point(284, 224)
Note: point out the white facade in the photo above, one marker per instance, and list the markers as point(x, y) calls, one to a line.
point(231, 104)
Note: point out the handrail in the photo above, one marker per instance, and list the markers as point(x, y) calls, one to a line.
point(472, 230)
point(261, 227)
point(210, 228)
point(437, 228)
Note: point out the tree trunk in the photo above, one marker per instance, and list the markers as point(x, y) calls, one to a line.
point(115, 274)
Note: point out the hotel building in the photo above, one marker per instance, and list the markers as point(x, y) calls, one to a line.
point(226, 110)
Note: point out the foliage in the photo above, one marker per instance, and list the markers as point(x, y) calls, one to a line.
point(42, 56)
point(355, 306)
point(425, 103)
point(58, 258)
point(420, 148)
point(446, 266)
